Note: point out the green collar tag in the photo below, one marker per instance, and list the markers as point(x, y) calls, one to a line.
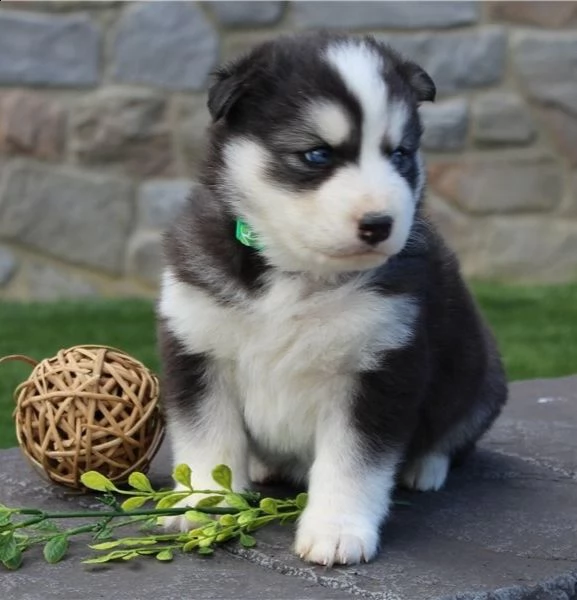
point(245, 235)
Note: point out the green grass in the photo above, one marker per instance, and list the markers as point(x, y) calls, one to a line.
point(536, 328)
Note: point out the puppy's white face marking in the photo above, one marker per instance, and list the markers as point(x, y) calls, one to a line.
point(330, 121)
point(316, 230)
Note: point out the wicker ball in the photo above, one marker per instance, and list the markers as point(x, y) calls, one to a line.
point(89, 408)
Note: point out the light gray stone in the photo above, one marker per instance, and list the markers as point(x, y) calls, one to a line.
point(191, 132)
point(164, 44)
point(559, 95)
point(241, 13)
point(495, 185)
point(45, 283)
point(456, 60)
point(145, 256)
point(160, 200)
point(124, 128)
point(502, 118)
point(394, 14)
point(37, 49)
point(7, 266)
point(445, 124)
point(78, 216)
point(531, 248)
point(544, 58)
point(503, 528)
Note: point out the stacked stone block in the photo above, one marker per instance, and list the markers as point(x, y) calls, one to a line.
point(102, 118)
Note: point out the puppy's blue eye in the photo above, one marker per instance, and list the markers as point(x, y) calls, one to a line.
point(400, 157)
point(320, 157)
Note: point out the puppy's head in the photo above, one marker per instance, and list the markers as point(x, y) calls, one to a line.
point(317, 140)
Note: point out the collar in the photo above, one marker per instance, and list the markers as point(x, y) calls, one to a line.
point(245, 235)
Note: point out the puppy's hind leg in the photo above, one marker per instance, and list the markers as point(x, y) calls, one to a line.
point(427, 472)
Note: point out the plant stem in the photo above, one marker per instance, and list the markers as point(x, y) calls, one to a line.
point(160, 512)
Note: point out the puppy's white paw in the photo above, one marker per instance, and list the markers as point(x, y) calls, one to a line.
point(426, 473)
point(259, 472)
point(338, 540)
point(180, 522)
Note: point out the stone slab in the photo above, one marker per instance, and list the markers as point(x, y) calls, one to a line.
point(392, 15)
point(75, 215)
point(164, 44)
point(60, 50)
point(505, 528)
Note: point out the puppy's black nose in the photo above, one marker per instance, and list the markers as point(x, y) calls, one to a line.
point(375, 228)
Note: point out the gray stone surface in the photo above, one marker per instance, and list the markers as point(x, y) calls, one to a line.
point(46, 282)
point(123, 128)
point(78, 216)
point(37, 49)
point(159, 200)
point(504, 528)
point(545, 57)
point(145, 257)
point(243, 13)
point(395, 14)
point(191, 134)
point(164, 44)
point(8, 266)
point(529, 248)
point(492, 185)
point(481, 56)
point(445, 124)
point(502, 118)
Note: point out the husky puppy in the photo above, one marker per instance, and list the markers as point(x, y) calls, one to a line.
point(312, 324)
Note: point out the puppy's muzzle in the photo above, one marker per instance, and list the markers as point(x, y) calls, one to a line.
point(375, 228)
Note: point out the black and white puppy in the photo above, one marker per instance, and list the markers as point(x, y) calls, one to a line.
point(344, 352)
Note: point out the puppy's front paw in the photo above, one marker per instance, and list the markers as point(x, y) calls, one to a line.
point(180, 522)
point(338, 540)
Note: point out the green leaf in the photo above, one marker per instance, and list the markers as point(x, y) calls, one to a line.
point(223, 476)
point(301, 500)
point(14, 561)
point(205, 551)
point(47, 526)
point(268, 505)
point(170, 500)
point(117, 554)
point(94, 480)
point(209, 501)
point(247, 540)
point(140, 482)
point(106, 545)
point(190, 546)
point(164, 555)
point(236, 501)
point(8, 546)
point(130, 555)
point(5, 519)
point(133, 503)
point(56, 549)
point(227, 520)
point(197, 517)
point(247, 516)
point(182, 474)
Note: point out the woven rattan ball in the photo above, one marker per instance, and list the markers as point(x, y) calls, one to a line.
point(89, 408)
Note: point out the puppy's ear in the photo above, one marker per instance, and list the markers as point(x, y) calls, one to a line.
point(226, 89)
point(230, 83)
point(420, 81)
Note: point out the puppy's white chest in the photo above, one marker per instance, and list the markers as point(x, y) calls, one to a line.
point(292, 353)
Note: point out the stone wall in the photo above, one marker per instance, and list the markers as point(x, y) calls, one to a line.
point(102, 116)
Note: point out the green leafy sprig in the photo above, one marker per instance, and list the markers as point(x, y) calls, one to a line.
point(219, 516)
